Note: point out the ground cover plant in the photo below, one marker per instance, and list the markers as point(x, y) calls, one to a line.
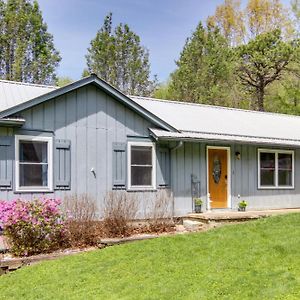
point(254, 260)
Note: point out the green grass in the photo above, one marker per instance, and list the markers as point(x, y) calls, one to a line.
point(255, 260)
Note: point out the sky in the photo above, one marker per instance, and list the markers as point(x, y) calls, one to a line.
point(163, 26)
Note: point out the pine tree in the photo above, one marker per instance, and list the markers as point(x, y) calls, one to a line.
point(264, 60)
point(204, 68)
point(118, 57)
point(27, 49)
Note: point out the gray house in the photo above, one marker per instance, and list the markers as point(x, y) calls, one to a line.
point(88, 137)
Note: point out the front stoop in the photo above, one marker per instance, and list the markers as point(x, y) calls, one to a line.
point(235, 216)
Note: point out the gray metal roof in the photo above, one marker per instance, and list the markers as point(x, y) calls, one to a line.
point(13, 93)
point(198, 121)
point(29, 95)
point(180, 120)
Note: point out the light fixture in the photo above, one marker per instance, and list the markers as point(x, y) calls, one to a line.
point(238, 155)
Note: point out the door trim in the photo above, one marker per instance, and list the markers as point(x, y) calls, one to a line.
point(228, 175)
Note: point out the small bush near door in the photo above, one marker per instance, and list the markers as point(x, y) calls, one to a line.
point(83, 227)
point(33, 227)
point(120, 208)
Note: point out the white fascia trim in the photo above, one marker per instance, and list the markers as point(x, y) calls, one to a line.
point(34, 189)
point(147, 187)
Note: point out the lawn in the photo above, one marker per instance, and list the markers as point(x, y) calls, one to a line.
point(254, 260)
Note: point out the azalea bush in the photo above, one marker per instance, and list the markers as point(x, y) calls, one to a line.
point(34, 226)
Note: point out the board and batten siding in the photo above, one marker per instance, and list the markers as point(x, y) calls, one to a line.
point(92, 121)
point(190, 159)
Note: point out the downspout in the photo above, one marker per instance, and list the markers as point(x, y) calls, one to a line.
point(178, 145)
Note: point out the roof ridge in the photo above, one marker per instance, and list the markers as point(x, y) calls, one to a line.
point(213, 106)
point(29, 84)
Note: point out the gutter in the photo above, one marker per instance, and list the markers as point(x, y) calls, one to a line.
point(14, 122)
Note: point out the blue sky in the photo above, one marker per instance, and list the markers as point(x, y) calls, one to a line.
point(163, 26)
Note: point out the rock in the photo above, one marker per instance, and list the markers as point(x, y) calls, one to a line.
point(180, 228)
point(3, 244)
point(192, 225)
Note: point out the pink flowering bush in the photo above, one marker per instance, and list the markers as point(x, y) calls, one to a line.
point(33, 226)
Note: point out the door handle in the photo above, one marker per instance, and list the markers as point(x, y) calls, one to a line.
point(225, 176)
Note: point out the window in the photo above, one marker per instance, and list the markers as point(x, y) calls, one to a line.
point(141, 169)
point(33, 163)
point(275, 168)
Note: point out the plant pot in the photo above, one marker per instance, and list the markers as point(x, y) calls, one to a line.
point(242, 208)
point(198, 209)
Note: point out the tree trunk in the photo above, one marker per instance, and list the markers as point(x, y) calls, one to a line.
point(260, 98)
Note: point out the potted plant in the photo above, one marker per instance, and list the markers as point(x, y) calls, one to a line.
point(198, 205)
point(242, 205)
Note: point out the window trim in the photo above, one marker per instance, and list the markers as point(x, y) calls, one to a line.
point(146, 187)
point(49, 140)
point(276, 186)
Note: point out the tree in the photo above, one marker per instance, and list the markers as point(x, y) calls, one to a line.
point(296, 10)
point(259, 16)
point(230, 20)
point(262, 61)
point(267, 15)
point(284, 97)
point(118, 58)
point(64, 80)
point(204, 68)
point(27, 51)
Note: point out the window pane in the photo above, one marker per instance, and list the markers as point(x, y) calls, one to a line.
point(141, 176)
point(267, 160)
point(33, 151)
point(285, 161)
point(141, 155)
point(267, 177)
point(267, 169)
point(284, 178)
point(33, 175)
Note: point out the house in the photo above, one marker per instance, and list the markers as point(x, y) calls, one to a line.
point(88, 137)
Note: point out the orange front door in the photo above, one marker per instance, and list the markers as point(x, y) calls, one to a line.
point(218, 177)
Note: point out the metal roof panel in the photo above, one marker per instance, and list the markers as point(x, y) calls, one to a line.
point(14, 93)
point(201, 118)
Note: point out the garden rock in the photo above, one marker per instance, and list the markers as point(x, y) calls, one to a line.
point(192, 225)
point(3, 244)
